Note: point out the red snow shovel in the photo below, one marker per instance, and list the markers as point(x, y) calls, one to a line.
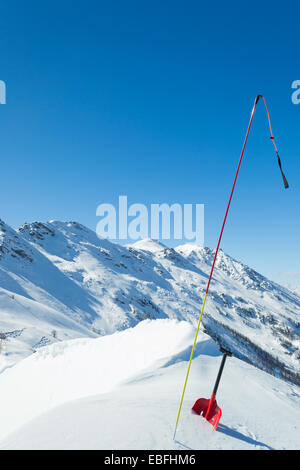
point(208, 407)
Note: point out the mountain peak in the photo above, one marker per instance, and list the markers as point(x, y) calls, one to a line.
point(12, 245)
point(148, 244)
point(36, 230)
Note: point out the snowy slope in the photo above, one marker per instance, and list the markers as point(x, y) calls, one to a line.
point(28, 324)
point(122, 392)
point(34, 297)
point(78, 368)
point(101, 287)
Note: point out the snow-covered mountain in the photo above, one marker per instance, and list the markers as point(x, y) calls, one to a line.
point(295, 289)
point(59, 280)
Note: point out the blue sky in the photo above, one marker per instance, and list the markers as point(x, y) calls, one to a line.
point(152, 100)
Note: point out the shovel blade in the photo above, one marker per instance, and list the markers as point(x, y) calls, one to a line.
point(209, 409)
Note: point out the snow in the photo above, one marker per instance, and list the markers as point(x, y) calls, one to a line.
point(65, 403)
point(73, 369)
point(148, 244)
point(28, 323)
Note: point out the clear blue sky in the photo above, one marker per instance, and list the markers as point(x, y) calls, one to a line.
point(152, 99)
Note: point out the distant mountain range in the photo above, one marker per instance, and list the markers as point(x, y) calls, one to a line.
point(59, 281)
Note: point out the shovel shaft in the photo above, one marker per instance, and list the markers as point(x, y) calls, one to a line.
point(220, 373)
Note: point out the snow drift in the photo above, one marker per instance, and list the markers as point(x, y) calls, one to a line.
point(78, 368)
point(122, 392)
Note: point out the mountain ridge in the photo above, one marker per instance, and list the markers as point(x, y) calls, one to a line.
point(102, 287)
